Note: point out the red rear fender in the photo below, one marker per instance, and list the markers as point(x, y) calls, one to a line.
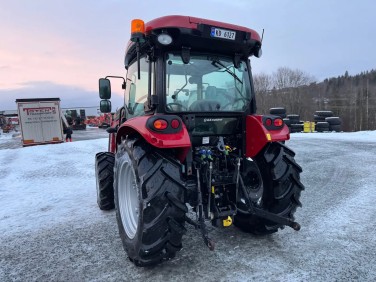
point(178, 140)
point(257, 136)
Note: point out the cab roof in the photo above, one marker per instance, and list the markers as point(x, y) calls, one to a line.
point(193, 23)
point(198, 35)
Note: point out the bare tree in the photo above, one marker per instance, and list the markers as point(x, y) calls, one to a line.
point(352, 98)
point(262, 84)
point(285, 77)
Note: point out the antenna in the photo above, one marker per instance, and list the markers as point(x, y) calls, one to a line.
point(262, 36)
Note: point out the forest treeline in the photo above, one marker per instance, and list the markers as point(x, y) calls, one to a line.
point(352, 98)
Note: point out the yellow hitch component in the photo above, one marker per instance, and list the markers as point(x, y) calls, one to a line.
point(227, 222)
point(268, 136)
point(228, 148)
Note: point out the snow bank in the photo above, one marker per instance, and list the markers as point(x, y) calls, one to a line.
point(360, 136)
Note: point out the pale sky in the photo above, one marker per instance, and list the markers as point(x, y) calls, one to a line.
point(56, 48)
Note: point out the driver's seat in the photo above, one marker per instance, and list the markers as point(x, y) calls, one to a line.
point(209, 104)
point(205, 106)
point(211, 93)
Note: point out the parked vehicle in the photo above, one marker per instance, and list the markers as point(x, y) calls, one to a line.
point(40, 121)
point(188, 139)
point(75, 121)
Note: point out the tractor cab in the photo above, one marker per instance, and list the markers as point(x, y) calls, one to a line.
point(193, 68)
point(179, 64)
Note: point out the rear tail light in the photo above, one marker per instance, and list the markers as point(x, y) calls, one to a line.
point(160, 124)
point(165, 124)
point(175, 123)
point(273, 122)
point(278, 122)
point(268, 122)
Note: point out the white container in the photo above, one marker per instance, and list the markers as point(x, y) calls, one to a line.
point(40, 121)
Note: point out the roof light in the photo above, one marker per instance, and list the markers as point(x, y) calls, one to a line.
point(137, 30)
point(164, 39)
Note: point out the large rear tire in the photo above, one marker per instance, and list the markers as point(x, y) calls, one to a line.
point(281, 189)
point(104, 173)
point(149, 200)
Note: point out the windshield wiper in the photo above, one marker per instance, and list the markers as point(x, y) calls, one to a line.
point(214, 63)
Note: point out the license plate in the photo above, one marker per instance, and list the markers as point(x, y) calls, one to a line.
point(222, 33)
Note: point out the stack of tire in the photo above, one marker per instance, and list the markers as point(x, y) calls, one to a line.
point(281, 112)
point(325, 121)
point(296, 125)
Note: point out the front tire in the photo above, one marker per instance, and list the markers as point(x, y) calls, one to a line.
point(281, 189)
point(149, 200)
point(104, 173)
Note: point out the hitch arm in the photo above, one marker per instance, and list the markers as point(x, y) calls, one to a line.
point(276, 218)
point(268, 215)
point(208, 242)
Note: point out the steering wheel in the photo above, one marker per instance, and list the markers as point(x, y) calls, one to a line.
point(176, 104)
point(235, 101)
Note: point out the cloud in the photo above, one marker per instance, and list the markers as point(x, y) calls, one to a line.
point(76, 42)
point(70, 96)
point(50, 56)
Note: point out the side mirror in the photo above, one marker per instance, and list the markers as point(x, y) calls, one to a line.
point(104, 88)
point(105, 106)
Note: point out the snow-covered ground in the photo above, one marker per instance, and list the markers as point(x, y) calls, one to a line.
point(360, 136)
point(52, 230)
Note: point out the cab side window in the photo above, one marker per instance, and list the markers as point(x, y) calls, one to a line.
point(137, 89)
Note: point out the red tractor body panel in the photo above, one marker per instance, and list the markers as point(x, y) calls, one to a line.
point(112, 143)
point(258, 136)
point(179, 140)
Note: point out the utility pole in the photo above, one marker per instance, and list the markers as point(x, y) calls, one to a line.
point(320, 102)
point(356, 112)
point(367, 105)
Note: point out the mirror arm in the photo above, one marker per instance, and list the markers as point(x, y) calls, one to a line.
point(138, 59)
point(149, 85)
point(152, 100)
point(124, 83)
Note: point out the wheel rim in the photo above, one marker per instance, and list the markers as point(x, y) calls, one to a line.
point(128, 200)
point(253, 185)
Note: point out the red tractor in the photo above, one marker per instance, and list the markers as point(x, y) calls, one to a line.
point(188, 140)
